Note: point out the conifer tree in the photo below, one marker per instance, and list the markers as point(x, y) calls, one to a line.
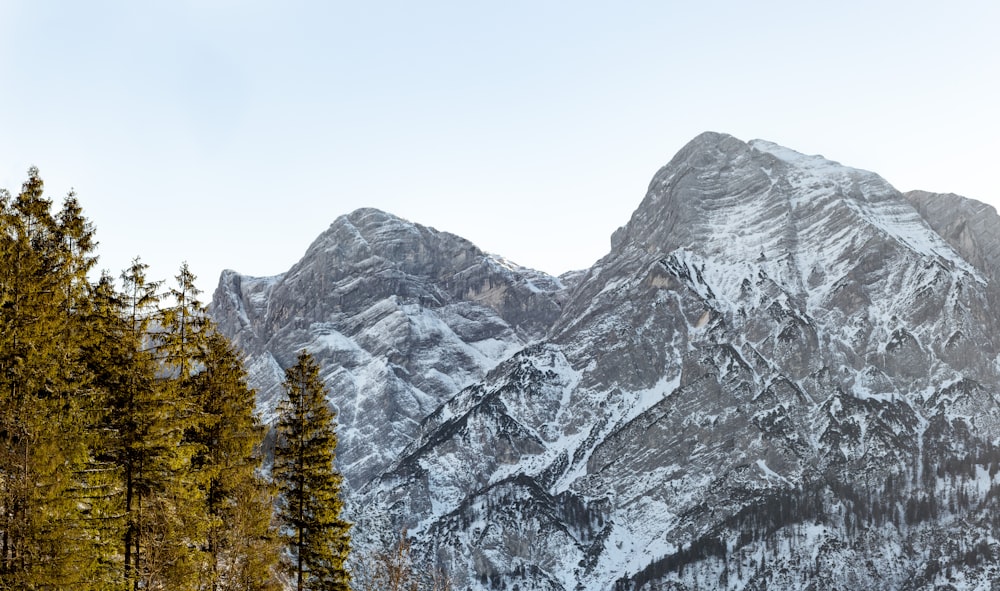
point(141, 443)
point(109, 353)
point(180, 435)
point(309, 484)
point(185, 326)
point(241, 541)
point(43, 262)
point(128, 443)
point(158, 552)
point(92, 558)
point(180, 342)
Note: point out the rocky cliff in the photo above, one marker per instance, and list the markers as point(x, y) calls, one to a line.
point(400, 316)
point(784, 374)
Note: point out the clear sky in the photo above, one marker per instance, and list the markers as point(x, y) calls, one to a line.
point(229, 134)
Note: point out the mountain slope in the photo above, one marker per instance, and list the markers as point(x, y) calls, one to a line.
point(400, 317)
point(784, 374)
point(970, 227)
point(772, 339)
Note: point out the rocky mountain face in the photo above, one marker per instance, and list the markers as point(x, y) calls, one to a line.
point(399, 316)
point(784, 375)
point(970, 227)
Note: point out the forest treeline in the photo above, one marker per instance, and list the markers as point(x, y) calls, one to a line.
point(129, 445)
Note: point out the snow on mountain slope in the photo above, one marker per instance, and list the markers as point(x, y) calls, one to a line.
point(784, 374)
point(399, 316)
point(969, 226)
point(773, 341)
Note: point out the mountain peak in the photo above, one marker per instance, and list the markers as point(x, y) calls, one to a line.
point(369, 236)
point(747, 200)
point(767, 323)
point(401, 314)
point(708, 141)
point(370, 220)
point(779, 369)
point(790, 156)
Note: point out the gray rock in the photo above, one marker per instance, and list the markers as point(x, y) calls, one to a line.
point(767, 326)
point(782, 375)
point(399, 317)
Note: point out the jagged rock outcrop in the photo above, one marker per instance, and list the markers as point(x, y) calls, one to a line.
point(769, 328)
point(400, 316)
point(970, 227)
point(784, 374)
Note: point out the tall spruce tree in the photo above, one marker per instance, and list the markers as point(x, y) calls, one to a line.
point(89, 565)
point(185, 327)
point(43, 262)
point(161, 549)
point(180, 341)
point(178, 433)
point(110, 356)
point(304, 472)
point(128, 444)
point(241, 542)
point(143, 429)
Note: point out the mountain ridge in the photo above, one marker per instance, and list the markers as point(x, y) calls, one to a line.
point(773, 339)
point(386, 304)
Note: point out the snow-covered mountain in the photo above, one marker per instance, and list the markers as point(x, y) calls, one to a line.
point(784, 374)
point(399, 316)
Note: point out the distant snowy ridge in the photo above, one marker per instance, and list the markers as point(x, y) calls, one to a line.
point(400, 317)
point(784, 374)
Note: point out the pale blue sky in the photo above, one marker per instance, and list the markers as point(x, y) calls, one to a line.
point(230, 133)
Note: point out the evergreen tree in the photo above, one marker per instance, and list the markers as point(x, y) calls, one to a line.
point(43, 263)
point(180, 342)
point(140, 420)
point(160, 491)
point(128, 443)
point(309, 484)
point(109, 354)
point(241, 542)
point(179, 434)
point(185, 326)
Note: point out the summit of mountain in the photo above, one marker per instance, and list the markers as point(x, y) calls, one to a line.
point(783, 374)
point(400, 316)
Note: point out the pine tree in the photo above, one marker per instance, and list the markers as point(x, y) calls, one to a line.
point(241, 542)
point(309, 484)
point(128, 444)
point(139, 418)
point(185, 326)
point(43, 263)
point(108, 354)
point(180, 342)
point(151, 426)
point(179, 436)
point(73, 238)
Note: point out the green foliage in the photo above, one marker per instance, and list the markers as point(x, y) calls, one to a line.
point(43, 261)
point(242, 544)
point(128, 444)
point(304, 472)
